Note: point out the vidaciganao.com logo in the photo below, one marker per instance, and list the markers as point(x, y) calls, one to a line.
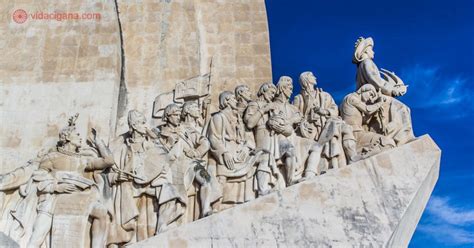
point(21, 16)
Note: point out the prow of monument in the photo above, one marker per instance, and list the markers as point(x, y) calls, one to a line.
point(167, 133)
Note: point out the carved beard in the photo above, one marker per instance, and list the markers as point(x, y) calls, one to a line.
point(287, 93)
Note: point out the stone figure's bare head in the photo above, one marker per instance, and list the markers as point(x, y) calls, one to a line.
point(367, 93)
point(243, 94)
point(137, 121)
point(172, 114)
point(190, 109)
point(227, 99)
point(267, 91)
point(364, 49)
point(69, 134)
point(285, 87)
point(307, 81)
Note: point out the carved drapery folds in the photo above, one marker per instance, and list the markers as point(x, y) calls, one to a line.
point(195, 163)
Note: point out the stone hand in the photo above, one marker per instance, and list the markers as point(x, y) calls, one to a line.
point(122, 177)
point(279, 128)
point(400, 91)
point(382, 98)
point(324, 112)
point(65, 188)
point(229, 161)
point(151, 133)
point(191, 153)
point(269, 107)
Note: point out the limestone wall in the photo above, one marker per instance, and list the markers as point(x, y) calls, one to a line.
point(170, 41)
point(52, 69)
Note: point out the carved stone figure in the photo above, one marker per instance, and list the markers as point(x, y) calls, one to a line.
point(368, 72)
point(394, 118)
point(322, 123)
point(64, 173)
point(194, 162)
point(315, 104)
point(243, 97)
point(357, 110)
point(188, 150)
point(292, 151)
point(231, 154)
point(192, 116)
point(256, 117)
point(18, 201)
point(140, 184)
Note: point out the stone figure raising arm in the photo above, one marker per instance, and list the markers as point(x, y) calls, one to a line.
point(65, 167)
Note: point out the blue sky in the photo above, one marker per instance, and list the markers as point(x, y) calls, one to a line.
point(430, 45)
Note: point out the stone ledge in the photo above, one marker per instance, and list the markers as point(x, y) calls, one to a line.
point(374, 202)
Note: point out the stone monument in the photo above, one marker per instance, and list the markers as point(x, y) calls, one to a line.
point(188, 156)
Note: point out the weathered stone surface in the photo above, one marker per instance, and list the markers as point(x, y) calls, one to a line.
point(166, 42)
point(7, 242)
point(374, 202)
point(51, 69)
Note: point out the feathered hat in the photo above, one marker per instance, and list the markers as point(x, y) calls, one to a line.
point(360, 46)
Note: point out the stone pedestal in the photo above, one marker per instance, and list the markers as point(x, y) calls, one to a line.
point(375, 202)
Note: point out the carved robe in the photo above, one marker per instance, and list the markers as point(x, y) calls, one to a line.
point(18, 201)
point(395, 112)
point(393, 121)
point(184, 169)
point(289, 144)
point(265, 138)
point(368, 73)
point(225, 136)
point(134, 203)
point(62, 167)
point(356, 113)
point(309, 102)
point(329, 131)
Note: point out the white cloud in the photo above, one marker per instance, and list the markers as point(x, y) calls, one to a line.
point(440, 207)
point(448, 224)
point(430, 89)
point(448, 234)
